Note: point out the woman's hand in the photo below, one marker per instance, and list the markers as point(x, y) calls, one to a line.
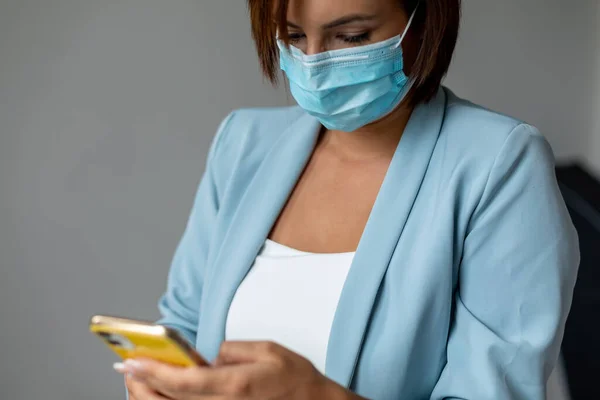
point(139, 391)
point(242, 371)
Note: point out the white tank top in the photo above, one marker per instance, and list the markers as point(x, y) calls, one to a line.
point(289, 297)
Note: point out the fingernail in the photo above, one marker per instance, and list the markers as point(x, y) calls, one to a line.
point(119, 367)
point(133, 366)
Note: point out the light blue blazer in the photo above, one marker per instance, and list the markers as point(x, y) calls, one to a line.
point(462, 280)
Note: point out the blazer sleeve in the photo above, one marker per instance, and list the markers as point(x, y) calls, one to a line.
point(180, 304)
point(515, 280)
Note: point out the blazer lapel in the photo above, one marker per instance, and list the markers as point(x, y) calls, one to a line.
point(386, 222)
point(252, 222)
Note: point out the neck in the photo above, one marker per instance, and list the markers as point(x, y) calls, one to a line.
point(375, 140)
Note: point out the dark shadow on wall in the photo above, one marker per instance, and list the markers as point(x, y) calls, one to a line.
point(581, 346)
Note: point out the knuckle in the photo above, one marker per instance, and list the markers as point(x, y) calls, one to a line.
point(280, 363)
point(269, 347)
point(196, 381)
point(224, 350)
point(306, 364)
point(182, 385)
point(240, 386)
point(272, 353)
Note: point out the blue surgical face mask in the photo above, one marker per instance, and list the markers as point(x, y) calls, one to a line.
point(349, 88)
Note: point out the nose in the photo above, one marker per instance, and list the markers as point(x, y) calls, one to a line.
point(315, 47)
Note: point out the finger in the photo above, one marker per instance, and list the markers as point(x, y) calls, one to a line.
point(249, 352)
point(139, 391)
point(177, 381)
point(160, 377)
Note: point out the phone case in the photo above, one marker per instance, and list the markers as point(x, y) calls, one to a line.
point(139, 339)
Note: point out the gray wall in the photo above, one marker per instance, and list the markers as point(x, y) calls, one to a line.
point(534, 59)
point(106, 111)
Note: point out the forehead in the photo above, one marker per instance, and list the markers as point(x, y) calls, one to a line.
point(323, 11)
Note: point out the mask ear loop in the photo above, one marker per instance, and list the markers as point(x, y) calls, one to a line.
point(408, 25)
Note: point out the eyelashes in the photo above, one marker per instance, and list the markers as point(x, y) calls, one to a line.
point(356, 39)
point(296, 38)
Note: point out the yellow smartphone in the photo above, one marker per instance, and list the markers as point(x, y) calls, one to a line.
point(139, 339)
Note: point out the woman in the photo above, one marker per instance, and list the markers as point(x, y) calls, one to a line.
point(383, 240)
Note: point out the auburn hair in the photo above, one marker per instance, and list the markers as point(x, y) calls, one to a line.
point(436, 25)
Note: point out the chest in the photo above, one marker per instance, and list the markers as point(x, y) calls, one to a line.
point(328, 209)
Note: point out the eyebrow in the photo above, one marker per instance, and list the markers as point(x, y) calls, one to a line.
point(348, 19)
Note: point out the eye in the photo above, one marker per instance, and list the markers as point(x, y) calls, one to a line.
point(355, 39)
point(296, 37)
